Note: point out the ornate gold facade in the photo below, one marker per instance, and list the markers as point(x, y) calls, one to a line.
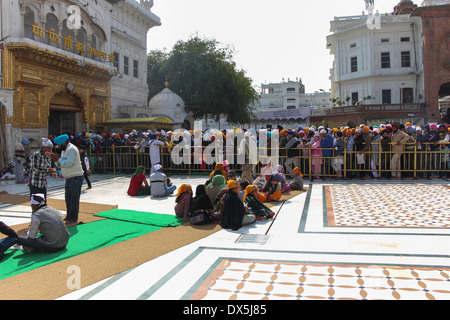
point(49, 80)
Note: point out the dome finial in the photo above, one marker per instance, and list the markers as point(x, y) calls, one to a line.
point(166, 84)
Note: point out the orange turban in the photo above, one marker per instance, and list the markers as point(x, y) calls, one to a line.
point(297, 170)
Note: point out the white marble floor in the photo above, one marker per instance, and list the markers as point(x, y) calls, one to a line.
point(298, 255)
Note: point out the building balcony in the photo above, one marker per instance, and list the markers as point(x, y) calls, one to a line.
point(372, 108)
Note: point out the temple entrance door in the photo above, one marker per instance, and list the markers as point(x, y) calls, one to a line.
point(60, 122)
point(65, 114)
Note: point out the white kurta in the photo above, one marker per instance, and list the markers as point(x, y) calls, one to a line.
point(154, 153)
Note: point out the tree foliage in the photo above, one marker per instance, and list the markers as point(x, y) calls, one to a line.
point(203, 73)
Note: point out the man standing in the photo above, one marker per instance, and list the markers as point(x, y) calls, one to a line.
point(366, 149)
point(19, 160)
point(39, 166)
point(71, 169)
point(154, 153)
point(398, 138)
point(338, 148)
point(292, 151)
point(326, 144)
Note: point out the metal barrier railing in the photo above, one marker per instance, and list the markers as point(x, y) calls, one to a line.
point(376, 162)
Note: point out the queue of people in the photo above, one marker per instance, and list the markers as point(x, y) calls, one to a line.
point(317, 151)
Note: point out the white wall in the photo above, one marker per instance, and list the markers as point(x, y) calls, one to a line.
point(352, 38)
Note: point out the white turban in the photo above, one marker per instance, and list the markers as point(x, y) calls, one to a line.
point(46, 142)
point(37, 198)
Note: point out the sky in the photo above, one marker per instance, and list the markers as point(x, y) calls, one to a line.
point(272, 40)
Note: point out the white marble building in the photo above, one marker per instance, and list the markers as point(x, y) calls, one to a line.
point(377, 59)
point(130, 23)
point(290, 95)
point(69, 65)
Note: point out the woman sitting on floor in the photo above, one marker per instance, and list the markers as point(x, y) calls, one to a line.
point(234, 214)
point(183, 201)
point(138, 184)
point(201, 211)
point(261, 181)
point(272, 191)
point(213, 189)
point(279, 169)
point(259, 209)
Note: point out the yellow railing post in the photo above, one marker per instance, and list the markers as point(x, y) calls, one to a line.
point(345, 161)
point(114, 158)
point(309, 162)
point(415, 161)
point(379, 158)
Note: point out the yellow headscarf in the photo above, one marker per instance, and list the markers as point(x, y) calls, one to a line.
point(183, 188)
point(250, 188)
point(232, 184)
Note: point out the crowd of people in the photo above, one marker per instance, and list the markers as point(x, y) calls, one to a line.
point(223, 198)
point(320, 148)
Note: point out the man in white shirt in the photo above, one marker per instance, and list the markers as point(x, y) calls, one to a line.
point(154, 153)
point(159, 184)
point(71, 169)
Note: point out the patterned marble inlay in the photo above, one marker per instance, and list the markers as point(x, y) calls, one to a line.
point(242, 279)
point(401, 205)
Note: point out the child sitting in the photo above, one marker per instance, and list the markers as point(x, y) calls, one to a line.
point(297, 180)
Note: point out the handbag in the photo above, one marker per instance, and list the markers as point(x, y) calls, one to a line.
point(197, 217)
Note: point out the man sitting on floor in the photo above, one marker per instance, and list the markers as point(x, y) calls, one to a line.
point(159, 183)
point(48, 221)
point(8, 241)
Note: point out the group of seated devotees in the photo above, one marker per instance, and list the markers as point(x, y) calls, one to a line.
point(231, 203)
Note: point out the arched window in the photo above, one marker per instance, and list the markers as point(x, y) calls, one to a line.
point(51, 23)
point(28, 21)
point(81, 36)
point(94, 42)
point(65, 32)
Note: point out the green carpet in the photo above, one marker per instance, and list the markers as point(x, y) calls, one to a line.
point(83, 238)
point(155, 219)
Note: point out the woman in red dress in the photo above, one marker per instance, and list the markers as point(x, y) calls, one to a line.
point(138, 184)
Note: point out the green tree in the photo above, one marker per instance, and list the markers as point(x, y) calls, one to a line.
point(155, 78)
point(203, 73)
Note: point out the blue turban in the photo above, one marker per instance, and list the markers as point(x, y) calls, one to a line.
point(61, 139)
point(25, 141)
